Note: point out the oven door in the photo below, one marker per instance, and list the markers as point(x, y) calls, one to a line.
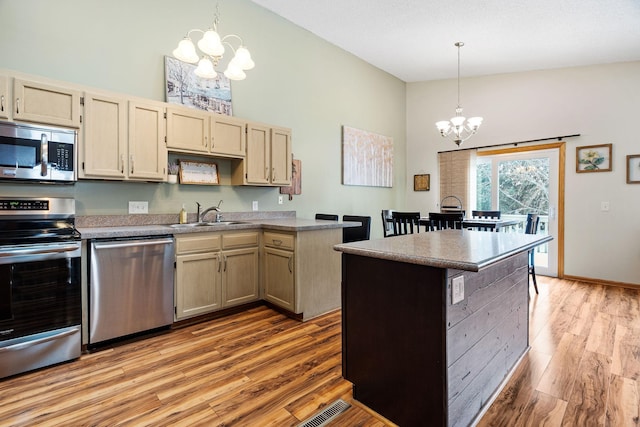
point(40, 288)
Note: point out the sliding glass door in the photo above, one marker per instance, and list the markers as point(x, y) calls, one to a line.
point(519, 183)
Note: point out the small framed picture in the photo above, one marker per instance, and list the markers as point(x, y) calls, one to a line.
point(633, 169)
point(593, 158)
point(421, 182)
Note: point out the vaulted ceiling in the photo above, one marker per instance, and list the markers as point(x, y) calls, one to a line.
point(414, 39)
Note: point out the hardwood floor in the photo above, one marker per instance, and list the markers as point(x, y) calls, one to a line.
point(583, 368)
point(261, 368)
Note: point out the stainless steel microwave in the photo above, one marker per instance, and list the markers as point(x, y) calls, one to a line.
point(37, 153)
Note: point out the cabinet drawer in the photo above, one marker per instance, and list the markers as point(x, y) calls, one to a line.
point(197, 243)
point(279, 240)
point(239, 240)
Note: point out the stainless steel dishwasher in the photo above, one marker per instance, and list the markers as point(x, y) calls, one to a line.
point(130, 286)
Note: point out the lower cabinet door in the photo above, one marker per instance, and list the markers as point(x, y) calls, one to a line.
point(198, 284)
point(279, 283)
point(240, 282)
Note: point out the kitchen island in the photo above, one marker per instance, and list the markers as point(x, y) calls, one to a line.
point(434, 323)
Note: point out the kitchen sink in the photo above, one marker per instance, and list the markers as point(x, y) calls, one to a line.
point(205, 224)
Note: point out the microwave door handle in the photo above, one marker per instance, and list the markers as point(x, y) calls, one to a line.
point(44, 154)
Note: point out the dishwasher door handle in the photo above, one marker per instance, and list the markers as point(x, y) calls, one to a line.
point(129, 243)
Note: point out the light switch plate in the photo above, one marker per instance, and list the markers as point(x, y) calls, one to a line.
point(457, 289)
point(255, 205)
point(280, 200)
point(138, 207)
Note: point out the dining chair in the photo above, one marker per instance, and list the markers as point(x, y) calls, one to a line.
point(532, 228)
point(356, 234)
point(387, 223)
point(405, 222)
point(328, 217)
point(445, 220)
point(485, 215)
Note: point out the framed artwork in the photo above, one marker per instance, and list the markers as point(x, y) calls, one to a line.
point(633, 169)
point(199, 173)
point(367, 158)
point(593, 158)
point(183, 87)
point(421, 182)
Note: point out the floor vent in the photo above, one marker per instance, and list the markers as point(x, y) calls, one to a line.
point(326, 415)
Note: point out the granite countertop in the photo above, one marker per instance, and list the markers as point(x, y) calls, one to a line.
point(457, 249)
point(115, 226)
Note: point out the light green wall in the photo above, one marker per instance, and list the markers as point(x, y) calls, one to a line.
point(299, 81)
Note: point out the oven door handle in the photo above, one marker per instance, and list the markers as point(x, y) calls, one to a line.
point(27, 344)
point(38, 250)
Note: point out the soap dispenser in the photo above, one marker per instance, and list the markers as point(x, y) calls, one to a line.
point(183, 215)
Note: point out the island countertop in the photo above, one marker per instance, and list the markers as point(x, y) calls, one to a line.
point(457, 249)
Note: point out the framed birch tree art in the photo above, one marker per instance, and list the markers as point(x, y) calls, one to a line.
point(367, 158)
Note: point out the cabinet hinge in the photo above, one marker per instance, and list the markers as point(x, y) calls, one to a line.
point(165, 138)
point(82, 100)
point(80, 118)
point(165, 115)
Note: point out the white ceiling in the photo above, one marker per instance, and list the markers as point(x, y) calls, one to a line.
point(414, 39)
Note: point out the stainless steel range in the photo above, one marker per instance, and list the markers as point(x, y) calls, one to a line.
point(40, 295)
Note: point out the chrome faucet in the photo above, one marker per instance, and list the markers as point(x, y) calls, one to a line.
point(206, 211)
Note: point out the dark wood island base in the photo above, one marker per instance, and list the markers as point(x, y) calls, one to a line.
point(412, 355)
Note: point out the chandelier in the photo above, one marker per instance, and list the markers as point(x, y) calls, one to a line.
point(212, 47)
point(459, 128)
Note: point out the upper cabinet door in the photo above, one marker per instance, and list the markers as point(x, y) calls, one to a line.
point(5, 109)
point(147, 150)
point(187, 130)
point(104, 143)
point(42, 103)
point(258, 164)
point(228, 136)
point(281, 159)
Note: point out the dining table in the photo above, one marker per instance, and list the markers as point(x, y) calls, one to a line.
point(485, 224)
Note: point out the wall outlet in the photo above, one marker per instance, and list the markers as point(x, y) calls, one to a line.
point(457, 289)
point(138, 207)
point(604, 206)
point(280, 200)
point(254, 205)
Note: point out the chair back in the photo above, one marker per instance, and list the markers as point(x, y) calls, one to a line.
point(532, 224)
point(405, 222)
point(356, 234)
point(328, 217)
point(443, 221)
point(486, 214)
point(387, 222)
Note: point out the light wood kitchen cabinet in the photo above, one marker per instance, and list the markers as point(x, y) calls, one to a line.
point(193, 131)
point(281, 159)
point(147, 150)
point(4, 97)
point(187, 130)
point(268, 160)
point(240, 270)
point(123, 139)
point(228, 136)
point(198, 284)
point(279, 275)
point(44, 103)
point(215, 271)
point(301, 271)
point(103, 152)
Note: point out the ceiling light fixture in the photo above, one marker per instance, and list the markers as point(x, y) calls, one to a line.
point(212, 47)
point(459, 128)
